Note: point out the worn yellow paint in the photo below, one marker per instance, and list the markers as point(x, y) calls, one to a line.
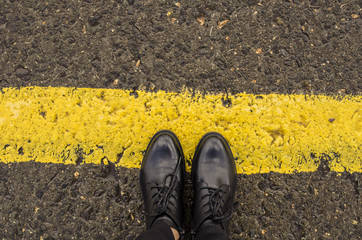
point(280, 133)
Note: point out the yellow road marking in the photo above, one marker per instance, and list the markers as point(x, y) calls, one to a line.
point(280, 133)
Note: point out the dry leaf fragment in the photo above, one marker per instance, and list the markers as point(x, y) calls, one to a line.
point(355, 16)
point(115, 82)
point(201, 20)
point(222, 23)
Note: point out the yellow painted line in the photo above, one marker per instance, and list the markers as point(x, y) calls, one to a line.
point(280, 133)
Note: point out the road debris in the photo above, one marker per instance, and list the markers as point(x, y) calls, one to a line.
point(222, 23)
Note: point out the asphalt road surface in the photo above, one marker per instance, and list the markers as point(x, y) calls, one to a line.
point(228, 47)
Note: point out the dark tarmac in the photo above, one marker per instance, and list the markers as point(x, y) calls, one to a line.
point(284, 47)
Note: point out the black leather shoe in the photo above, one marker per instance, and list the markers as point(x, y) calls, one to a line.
point(214, 180)
point(162, 181)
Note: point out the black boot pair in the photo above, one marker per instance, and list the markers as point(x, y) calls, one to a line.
point(213, 176)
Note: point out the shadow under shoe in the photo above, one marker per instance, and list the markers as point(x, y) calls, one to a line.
point(214, 180)
point(162, 177)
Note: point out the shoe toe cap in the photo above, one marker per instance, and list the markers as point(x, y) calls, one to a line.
point(161, 158)
point(215, 164)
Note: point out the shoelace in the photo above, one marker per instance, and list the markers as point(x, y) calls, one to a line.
point(215, 202)
point(165, 192)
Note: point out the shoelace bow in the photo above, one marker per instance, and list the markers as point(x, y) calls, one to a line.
point(165, 192)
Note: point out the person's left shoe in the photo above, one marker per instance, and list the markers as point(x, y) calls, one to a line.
point(214, 178)
point(162, 177)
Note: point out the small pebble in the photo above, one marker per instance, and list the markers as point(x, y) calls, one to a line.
point(21, 71)
point(94, 20)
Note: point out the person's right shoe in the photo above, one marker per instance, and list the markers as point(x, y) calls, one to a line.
point(214, 179)
point(162, 177)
